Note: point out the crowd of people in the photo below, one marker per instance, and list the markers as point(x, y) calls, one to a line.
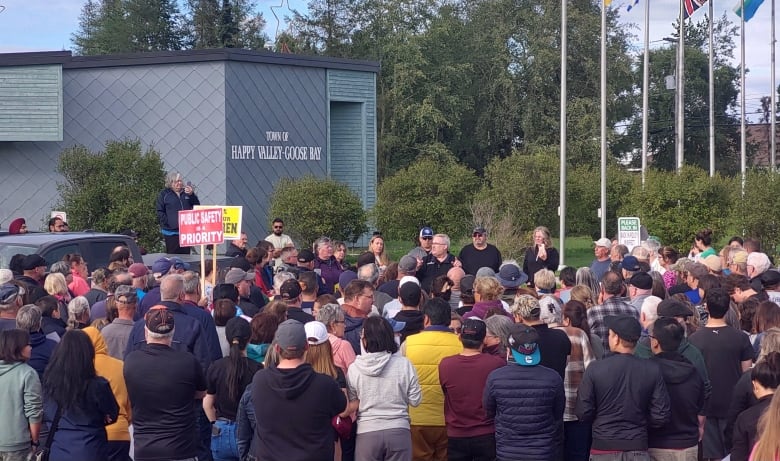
point(294, 354)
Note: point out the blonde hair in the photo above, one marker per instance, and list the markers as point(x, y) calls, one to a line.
point(583, 294)
point(320, 357)
point(382, 257)
point(768, 438)
point(544, 279)
point(55, 284)
point(489, 288)
point(770, 342)
point(76, 309)
point(546, 233)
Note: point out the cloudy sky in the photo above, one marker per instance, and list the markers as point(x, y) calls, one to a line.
point(46, 25)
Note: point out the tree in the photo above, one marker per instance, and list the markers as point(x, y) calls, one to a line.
point(203, 24)
point(313, 207)
point(95, 193)
point(103, 29)
point(434, 190)
point(661, 142)
point(155, 25)
point(231, 24)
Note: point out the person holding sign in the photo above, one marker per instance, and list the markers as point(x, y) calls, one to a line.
point(175, 197)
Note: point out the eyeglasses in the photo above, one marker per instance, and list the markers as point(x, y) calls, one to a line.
point(477, 234)
point(278, 227)
point(427, 238)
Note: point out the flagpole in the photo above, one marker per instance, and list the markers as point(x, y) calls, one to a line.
point(743, 145)
point(645, 87)
point(603, 208)
point(681, 90)
point(773, 93)
point(712, 91)
point(562, 210)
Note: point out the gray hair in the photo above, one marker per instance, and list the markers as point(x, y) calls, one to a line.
point(76, 309)
point(29, 318)
point(171, 286)
point(445, 239)
point(160, 336)
point(329, 314)
point(280, 278)
point(172, 177)
point(368, 272)
point(60, 267)
point(320, 242)
point(585, 276)
point(499, 325)
point(191, 282)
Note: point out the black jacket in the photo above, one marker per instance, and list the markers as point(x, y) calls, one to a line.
point(686, 395)
point(308, 400)
point(745, 429)
point(742, 398)
point(168, 206)
point(432, 268)
point(622, 396)
point(414, 320)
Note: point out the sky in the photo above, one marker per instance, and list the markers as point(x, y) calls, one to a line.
point(47, 25)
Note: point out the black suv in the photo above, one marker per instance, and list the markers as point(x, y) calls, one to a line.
point(94, 247)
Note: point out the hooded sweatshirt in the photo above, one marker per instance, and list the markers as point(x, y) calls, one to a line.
point(686, 396)
point(414, 320)
point(20, 406)
point(309, 401)
point(386, 385)
point(111, 369)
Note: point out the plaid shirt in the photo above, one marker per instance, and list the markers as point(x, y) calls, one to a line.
point(580, 357)
point(611, 306)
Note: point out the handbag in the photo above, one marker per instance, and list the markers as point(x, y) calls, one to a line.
point(343, 427)
point(42, 454)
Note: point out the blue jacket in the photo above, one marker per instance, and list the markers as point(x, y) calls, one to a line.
point(188, 335)
point(209, 328)
point(352, 328)
point(81, 432)
point(151, 299)
point(42, 348)
point(168, 206)
point(527, 405)
point(246, 422)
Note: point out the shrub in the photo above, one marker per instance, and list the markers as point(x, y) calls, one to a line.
point(112, 190)
point(434, 190)
point(757, 214)
point(312, 207)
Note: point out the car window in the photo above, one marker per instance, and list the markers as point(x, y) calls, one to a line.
point(56, 254)
point(7, 251)
point(100, 252)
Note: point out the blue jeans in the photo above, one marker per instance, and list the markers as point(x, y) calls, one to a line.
point(223, 445)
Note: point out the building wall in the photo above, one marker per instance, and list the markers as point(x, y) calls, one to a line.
point(177, 109)
point(31, 103)
point(276, 127)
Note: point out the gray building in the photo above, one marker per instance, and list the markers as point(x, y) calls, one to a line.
point(231, 121)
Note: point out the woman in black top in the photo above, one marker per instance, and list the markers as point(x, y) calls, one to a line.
point(541, 255)
point(227, 378)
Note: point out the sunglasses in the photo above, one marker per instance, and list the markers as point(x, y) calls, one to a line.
point(477, 234)
point(427, 238)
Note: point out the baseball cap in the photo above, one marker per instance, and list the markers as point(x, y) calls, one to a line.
point(479, 230)
point(316, 332)
point(603, 242)
point(291, 335)
point(426, 232)
point(467, 284)
point(305, 256)
point(365, 258)
point(162, 266)
point(770, 278)
point(235, 275)
point(713, 263)
point(641, 280)
point(290, 289)
point(630, 263)
point(6, 276)
point(485, 272)
point(127, 292)
point(523, 344)
point(32, 261)
point(671, 307)
point(8, 293)
point(138, 270)
point(159, 320)
point(408, 278)
point(237, 330)
point(407, 264)
point(179, 264)
point(473, 329)
point(345, 278)
point(225, 291)
point(681, 265)
point(627, 327)
point(511, 276)
point(739, 257)
point(526, 306)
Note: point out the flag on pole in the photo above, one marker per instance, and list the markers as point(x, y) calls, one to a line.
point(751, 6)
point(631, 5)
point(691, 6)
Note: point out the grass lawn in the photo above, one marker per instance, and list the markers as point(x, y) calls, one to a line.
point(579, 250)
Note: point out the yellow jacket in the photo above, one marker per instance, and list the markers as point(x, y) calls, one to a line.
point(426, 350)
point(111, 369)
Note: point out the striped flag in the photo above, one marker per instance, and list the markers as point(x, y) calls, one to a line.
point(631, 5)
point(751, 6)
point(691, 6)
